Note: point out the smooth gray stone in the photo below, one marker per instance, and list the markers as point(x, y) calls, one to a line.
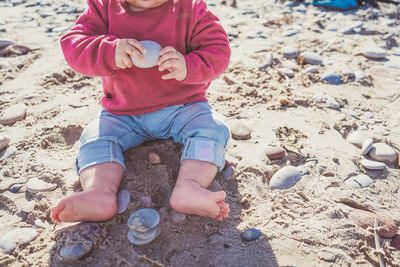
point(286, 72)
point(332, 103)
point(13, 114)
point(289, 52)
point(15, 188)
point(359, 181)
point(8, 152)
point(360, 75)
point(150, 57)
point(268, 61)
point(59, 29)
point(6, 42)
point(366, 147)
point(144, 220)
point(285, 178)
point(311, 69)
point(349, 73)
point(250, 234)
point(383, 152)
point(4, 141)
point(10, 241)
point(75, 251)
point(374, 53)
point(36, 185)
point(332, 78)
point(228, 173)
point(312, 58)
point(123, 199)
point(358, 138)
point(372, 165)
point(289, 33)
point(143, 238)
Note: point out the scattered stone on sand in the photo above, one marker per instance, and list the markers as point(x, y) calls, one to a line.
point(329, 101)
point(6, 42)
point(250, 234)
point(331, 78)
point(8, 152)
point(358, 138)
point(395, 242)
point(143, 238)
point(13, 114)
point(269, 59)
point(366, 219)
point(328, 174)
point(41, 223)
point(360, 75)
point(286, 72)
point(150, 57)
point(289, 52)
point(123, 199)
point(228, 173)
point(366, 146)
point(311, 58)
point(311, 69)
point(75, 250)
point(177, 217)
point(36, 185)
point(16, 188)
point(374, 52)
point(275, 152)
point(372, 165)
point(144, 220)
point(240, 130)
point(12, 239)
point(285, 178)
point(4, 141)
point(383, 152)
point(359, 181)
point(154, 158)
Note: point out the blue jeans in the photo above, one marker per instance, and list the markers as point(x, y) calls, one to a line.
point(200, 130)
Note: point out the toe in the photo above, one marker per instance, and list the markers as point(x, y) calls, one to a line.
point(55, 211)
point(219, 196)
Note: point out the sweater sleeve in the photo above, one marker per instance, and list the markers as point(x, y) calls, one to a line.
point(210, 50)
point(87, 47)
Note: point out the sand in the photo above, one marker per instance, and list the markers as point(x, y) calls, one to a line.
point(306, 225)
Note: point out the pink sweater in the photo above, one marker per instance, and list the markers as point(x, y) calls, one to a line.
point(187, 25)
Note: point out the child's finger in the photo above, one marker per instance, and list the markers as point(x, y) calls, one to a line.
point(169, 76)
point(127, 61)
point(137, 44)
point(134, 52)
point(167, 50)
point(172, 63)
point(167, 56)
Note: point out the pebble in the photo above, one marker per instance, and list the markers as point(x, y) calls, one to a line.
point(123, 199)
point(240, 131)
point(286, 72)
point(250, 234)
point(366, 219)
point(359, 181)
point(332, 78)
point(150, 57)
point(374, 52)
point(285, 178)
point(269, 58)
point(372, 165)
point(4, 141)
point(36, 185)
point(75, 251)
point(177, 217)
point(275, 152)
point(13, 114)
point(311, 58)
point(289, 52)
point(395, 242)
point(290, 32)
point(358, 138)
point(6, 42)
point(11, 240)
point(154, 158)
point(383, 152)
point(15, 188)
point(228, 173)
point(41, 223)
point(144, 220)
point(8, 152)
point(143, 238)
point(311, 69)
point(366, 146)
point(360, 75)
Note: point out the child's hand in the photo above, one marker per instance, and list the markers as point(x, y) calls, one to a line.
point(126, 48)
point(174, 62)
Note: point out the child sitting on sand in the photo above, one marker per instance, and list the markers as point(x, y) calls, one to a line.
point(142, 104)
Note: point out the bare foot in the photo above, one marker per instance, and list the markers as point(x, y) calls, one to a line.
point(189, 197)
point(91, 205)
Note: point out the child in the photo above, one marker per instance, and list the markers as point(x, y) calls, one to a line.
point(161, 102)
